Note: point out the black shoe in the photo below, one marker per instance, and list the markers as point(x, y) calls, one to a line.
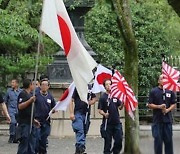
point(82, 150)
point(11, 139)
point(15, 141)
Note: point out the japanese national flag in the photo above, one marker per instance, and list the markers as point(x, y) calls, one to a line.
point(65, 99)
point(101, 74)
point(57, 25)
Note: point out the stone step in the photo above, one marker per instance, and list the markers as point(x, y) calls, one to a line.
point(4, 129)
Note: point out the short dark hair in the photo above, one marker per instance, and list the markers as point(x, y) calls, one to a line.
point(17, 81)
point(105, 82)
point(27, 83)
point(45, 79)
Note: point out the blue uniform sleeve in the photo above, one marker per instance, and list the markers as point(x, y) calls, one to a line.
point(74, 94)
point(151, 97)
point(6, 97)
point(1, 99)
point(21, 98)
point(173, 98)
point(118, 102)
point(100, 103)
point(53, 103)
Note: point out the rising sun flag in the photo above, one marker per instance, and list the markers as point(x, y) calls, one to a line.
point(121, 90)
point(170, 78)
point(57, 25)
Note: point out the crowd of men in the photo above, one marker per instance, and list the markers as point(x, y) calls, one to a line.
point(30, 126)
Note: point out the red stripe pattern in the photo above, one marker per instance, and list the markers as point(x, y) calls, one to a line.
point(170, 78)
point(121, 90)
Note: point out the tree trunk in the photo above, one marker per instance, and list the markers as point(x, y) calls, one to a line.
point(175, 5)
point(131, 72)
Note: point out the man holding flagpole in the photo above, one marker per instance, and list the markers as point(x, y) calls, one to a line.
point(111, 126)
point(27, 139)
point(80, 116)
point(162, 102)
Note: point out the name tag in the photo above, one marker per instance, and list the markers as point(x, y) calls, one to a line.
point(48, 100)
point(20, 100)
point(168, 95)
point(114, 100)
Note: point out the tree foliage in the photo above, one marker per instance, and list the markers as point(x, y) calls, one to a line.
point(19, 27)
point(19, 31)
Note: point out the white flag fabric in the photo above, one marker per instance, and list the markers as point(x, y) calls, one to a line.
point(102, 73)
point(57, 25)
point(64, 100)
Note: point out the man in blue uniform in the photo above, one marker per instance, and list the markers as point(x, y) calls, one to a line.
point(27, 139)
point(108, 108)
point(11, 101)
point(80, 116)
point(4, 108)
point(162, 117)
point(44, 103)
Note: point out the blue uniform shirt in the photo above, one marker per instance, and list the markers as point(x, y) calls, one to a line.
point(156, 97)
point(11, 99)
point(112, 109)
point(80, 106)
point(43, 105)
point(24, 115)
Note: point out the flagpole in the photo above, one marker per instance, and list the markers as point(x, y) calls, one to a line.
point(164, 92)
point(35, 77)
point(105, 126)
point(90, 93)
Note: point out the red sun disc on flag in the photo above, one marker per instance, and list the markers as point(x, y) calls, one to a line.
point(103, 76)
point(65, 34)
point(64, 96)
point(121, 90)
point(120, 86)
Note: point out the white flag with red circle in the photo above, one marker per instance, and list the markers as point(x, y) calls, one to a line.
point(121, 90)
point(57, 25)
point(102, 73)
point(170, 78)
point(65, 99)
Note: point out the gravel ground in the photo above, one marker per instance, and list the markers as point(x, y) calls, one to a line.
point(94, 145)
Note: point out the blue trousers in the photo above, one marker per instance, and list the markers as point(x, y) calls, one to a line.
point(80, 129)
point(162, 133)
point(112, 132)
point(27, 140)
point(12, 126)
point(41, 138)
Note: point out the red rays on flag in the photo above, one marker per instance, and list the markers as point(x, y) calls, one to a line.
point(170, 78)
point(121, 90)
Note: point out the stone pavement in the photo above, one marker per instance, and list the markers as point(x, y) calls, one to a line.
point(94, 145)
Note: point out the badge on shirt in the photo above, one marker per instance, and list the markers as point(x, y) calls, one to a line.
point(168, 95)
point(20, 100)
point(114, 100)
point(49, 101)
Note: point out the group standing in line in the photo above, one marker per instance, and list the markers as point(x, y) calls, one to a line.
point(33, 138)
